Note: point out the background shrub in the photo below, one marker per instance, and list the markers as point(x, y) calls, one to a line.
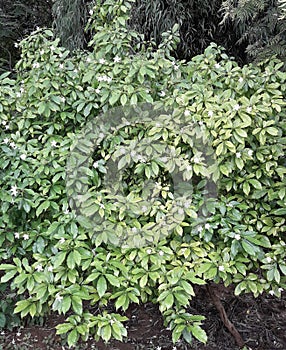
point(57, 262)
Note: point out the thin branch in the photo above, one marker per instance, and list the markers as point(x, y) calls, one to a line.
point(224, 318)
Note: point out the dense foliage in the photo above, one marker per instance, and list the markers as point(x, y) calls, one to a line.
point(233, 135)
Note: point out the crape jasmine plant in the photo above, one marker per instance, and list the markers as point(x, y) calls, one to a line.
point(130, 177)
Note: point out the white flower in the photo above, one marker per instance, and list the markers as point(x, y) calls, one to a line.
point(59, 297)
point(100, 78)
point(207, 226)
point(238, 155)
point(63, 99)
point(282, 243)
point(90, 12)
point(102, 61)
point(210, 113)
point(134, 229)
point(117, 59)
point(22, 90)
point(250, 152)
point(268, 259)
point(173, 63)
point(109, 79)
point(148, 251)
point(271, 292)
point(196, 159)
point(4, 122)
point(201, 123)
point(52, 48)
point(36, 65)
point(236, 107)
point(217, 65)
point(187, 113)
point(249, 109)
point(200, 228)
point(26, 237)
point(23, 156)
point(174, 348)
point(75, 70)
point(16, 45)
point(88, 59)
point(66, 211)
point(237, 236)
point(42, 52)
point(6, 140)
point(280, 290)
point(162, 93)
point(181, 211)
point(18, 94)
point(61, 66)
point(95, 165)
point(133, 153)
point(158, 348)
point(62, 240)
point(176, 67)
point(144, 208)
point(97, 91)
point(39, 268)
point(50, 268)
point(221, 268)
point(14, 191)
point(18, 334)
point(17, 235)
point(187, 204)
point(240, 79)
point(54, 143)
point(161, 253)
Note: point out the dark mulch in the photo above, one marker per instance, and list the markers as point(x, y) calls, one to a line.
point(261, 323)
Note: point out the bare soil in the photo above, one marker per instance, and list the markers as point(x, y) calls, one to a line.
point(261, 323)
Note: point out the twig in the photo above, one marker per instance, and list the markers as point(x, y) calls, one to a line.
point(224, 318)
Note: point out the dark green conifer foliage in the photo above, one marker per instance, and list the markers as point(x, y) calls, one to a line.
point(70, 17)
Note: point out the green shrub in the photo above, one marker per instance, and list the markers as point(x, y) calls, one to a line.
point(233, 136)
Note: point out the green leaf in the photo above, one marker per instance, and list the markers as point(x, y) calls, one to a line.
point(123, 99)
point(2, 320)
point(101, 286)
point(106, 333)
point(199, 333)
point(71, 261)
point(248, 247)
point(9, 275)
point(45, 205)
point(76, 304)
point(272, 131)
point(113, 280)
point(73, 337)
point(22, 305)
point(246, 188)
point(59, 259)
point(168, 301)
point(63, 328)
point(114, 97)
point(255, 183)
point(66, 304)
